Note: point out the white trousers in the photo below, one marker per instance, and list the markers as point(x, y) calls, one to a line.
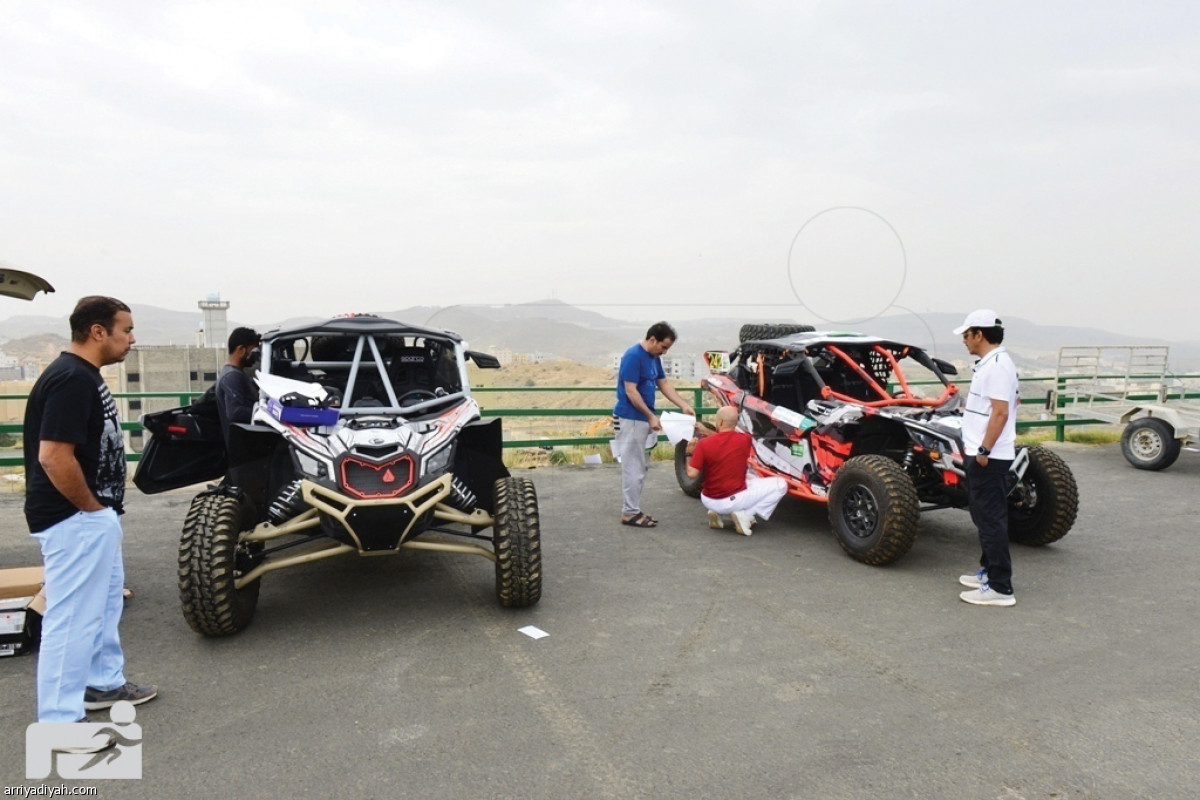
point(80, 644)
point(760, 497)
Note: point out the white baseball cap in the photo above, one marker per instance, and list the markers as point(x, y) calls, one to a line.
point(979, 318)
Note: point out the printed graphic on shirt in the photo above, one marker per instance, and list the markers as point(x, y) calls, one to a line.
point(110, 472)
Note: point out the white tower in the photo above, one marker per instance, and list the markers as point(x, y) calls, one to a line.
point(216, 327)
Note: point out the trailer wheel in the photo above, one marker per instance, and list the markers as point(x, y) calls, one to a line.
point(1150, 443)
point(690, 487)
point(1042, 507)
point(874, 509)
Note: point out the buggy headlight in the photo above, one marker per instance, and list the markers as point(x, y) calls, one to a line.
point(437, 462)
point(925, 440)
point(311, 466)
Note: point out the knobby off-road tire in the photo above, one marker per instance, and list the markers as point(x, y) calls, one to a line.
point(690, 487)
point(1042, 507)
point(1150, 443)
point(752, 332)
point(874, 509)
point(208, 563)
point(517, 538)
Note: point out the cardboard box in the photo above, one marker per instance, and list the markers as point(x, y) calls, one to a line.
point(22, 604)
point(20, 582)
point(301, 416)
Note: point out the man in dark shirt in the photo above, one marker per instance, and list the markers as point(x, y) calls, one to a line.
point(722, 458)
point(236, 394)
point(75, 488)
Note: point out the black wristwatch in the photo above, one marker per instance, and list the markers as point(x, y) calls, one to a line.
point(983, 451)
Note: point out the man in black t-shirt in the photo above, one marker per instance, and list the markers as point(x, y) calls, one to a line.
point(75, 489)
point(236, 394)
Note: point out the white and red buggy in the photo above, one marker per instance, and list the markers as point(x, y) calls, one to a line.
point(836, 416)
point(365, 440)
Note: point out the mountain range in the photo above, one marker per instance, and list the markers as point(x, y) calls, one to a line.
point(559, 329)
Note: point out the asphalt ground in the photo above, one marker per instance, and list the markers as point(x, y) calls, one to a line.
point(681, 662)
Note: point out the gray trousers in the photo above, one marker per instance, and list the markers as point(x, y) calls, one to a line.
point(631, 449)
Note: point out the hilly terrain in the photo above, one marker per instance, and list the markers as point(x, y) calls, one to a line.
point(555, 328)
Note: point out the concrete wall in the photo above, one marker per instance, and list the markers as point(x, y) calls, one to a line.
point(165, 369)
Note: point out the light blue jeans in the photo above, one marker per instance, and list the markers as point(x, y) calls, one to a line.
point(80, 644)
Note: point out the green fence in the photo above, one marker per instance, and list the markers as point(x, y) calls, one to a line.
point(1058, 421)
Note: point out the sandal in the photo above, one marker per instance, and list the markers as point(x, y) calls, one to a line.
point(640, 520)
point(127, 593)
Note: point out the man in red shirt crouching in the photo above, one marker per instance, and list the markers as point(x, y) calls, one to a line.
point(722, 458)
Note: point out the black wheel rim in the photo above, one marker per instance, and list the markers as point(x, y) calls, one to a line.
point(860, 512)
point(1023, 502)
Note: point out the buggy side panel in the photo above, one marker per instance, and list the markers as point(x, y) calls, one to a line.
point(260, 465)
point(478, 460)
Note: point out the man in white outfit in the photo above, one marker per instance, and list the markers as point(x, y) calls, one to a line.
point(989, 431)
point(727, 490)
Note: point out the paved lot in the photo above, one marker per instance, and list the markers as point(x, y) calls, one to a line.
point(681, 662)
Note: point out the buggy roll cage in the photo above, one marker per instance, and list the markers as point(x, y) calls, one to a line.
point(371, 360)
point(799, 359)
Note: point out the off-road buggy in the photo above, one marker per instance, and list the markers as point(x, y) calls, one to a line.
point(365, 440)
point(836, 416)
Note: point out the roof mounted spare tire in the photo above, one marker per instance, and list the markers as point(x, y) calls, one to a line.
point(752, 332)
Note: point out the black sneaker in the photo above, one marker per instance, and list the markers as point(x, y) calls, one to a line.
point(94, 699)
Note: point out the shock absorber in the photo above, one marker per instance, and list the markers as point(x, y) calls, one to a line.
point(461, 497)
point(287, 505)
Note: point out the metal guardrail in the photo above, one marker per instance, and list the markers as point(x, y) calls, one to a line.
point(1059, 422)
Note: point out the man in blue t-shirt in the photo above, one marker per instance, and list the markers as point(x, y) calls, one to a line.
point(640, 374)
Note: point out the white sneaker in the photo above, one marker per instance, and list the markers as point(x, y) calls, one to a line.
point(975, 579)
point(99, 745)
point(742, 522)
point(986, 596)
point(715, 521)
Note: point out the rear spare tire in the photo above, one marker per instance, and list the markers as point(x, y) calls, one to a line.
point(752, 332)
point(874, 509)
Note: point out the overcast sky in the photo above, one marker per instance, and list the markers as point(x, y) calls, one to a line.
point(1040, 158)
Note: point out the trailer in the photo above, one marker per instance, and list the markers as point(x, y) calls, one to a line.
point(1130, 386)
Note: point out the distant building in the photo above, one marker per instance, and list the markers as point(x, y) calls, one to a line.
point(681, 366)
point(215, 330)
point(10, 368)
point(536, 357)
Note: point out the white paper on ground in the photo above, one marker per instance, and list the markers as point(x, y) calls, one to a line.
point(678, 427)
point(532, 632)
point(592, 459)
